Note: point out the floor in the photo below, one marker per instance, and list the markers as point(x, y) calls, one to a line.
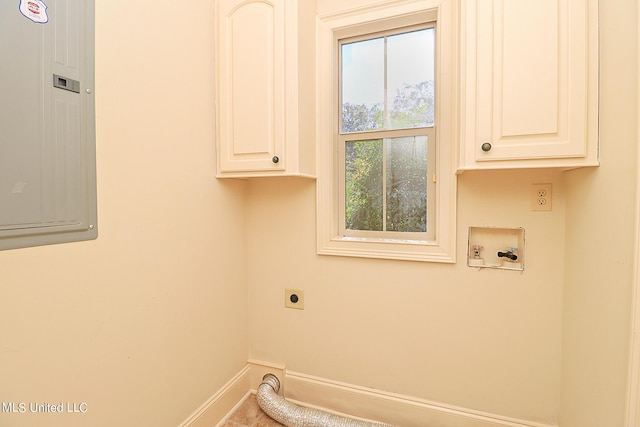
point(249, 414)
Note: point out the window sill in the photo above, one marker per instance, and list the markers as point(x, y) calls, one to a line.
point(407, 250)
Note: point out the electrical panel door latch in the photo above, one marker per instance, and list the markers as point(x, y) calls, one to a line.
point(65, 83)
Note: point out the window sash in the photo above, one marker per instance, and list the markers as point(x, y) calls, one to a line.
point(372, 36)
point(384, 235)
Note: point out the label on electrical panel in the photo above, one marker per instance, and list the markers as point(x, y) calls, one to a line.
point(34, 10)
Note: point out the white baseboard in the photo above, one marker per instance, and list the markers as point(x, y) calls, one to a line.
point(395, 409)
point(222, 403)
point(343, 399)
point(225, 401)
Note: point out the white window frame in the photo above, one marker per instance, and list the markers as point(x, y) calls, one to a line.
point(368, 20)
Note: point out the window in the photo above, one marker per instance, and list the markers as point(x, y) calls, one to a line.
point(387, 139)
point(386, 187)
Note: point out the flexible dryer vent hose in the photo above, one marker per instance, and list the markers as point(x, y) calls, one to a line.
point(296, 416)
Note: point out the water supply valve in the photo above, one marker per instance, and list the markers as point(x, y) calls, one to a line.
point(509, 254)
point(476, 251)
point(475, 258)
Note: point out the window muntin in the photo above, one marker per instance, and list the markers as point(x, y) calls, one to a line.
point(387, 138)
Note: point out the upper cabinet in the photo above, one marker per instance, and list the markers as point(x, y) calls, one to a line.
point(529, 84)
point(265, 88)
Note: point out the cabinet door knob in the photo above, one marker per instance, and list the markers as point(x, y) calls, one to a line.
point(275, 159)
point(486, 147)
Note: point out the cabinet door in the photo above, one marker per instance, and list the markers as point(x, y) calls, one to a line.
point(527, 69)
point(251, 85)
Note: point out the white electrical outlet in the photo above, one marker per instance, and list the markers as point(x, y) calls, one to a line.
point(294, 298)
point(541, 197)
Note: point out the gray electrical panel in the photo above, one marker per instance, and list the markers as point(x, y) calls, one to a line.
point(47, 122)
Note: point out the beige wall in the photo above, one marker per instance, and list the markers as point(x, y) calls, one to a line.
point(147, 322)
point(600, 239)
point(487, 340)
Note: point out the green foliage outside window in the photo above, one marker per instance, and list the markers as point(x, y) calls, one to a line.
point(364, 202)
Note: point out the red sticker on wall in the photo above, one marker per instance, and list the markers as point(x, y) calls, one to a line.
point(35, 10)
